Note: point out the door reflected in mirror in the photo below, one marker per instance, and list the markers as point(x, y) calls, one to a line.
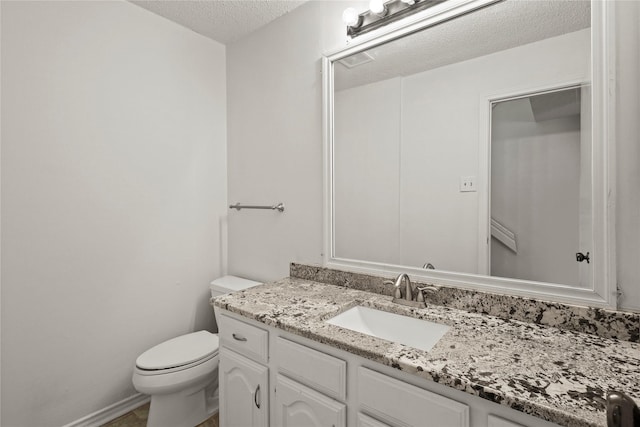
point(541, 186)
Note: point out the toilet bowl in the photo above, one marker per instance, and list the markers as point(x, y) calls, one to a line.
point(181, 374)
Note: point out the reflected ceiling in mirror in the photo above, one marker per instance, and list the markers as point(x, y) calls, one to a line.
point(499, 27)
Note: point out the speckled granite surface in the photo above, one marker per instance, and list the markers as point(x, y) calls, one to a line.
point(605, 323)
point(558, 375)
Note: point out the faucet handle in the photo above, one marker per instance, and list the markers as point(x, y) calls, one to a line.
point(429, 288)
point(396, 292)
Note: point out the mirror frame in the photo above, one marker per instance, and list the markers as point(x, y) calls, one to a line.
point(602, 291)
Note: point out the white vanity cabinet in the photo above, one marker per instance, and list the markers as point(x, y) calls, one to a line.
point(299, 406)
point(244, 383)
point(310, 387)
point(271, 377)
point(244, 391)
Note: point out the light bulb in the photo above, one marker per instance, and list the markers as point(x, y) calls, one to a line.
point(377, 6)
point(350, 17)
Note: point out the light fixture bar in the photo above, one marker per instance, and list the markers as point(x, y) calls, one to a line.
point(395, 10)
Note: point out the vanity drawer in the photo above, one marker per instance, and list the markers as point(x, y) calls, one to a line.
point(246, 339)
point(367, 421)
point(401, 404)
point(328, 375)
point(493, 421)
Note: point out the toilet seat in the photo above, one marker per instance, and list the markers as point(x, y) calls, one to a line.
point(179, 353)
point(182, 379)
point(158, 372)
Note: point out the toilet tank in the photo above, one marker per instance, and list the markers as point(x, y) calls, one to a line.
point(228, 284)
point(225, 285)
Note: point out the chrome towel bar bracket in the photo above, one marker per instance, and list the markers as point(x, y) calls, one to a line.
point(279, 207)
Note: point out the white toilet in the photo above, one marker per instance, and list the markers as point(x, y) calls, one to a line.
point(181, 374)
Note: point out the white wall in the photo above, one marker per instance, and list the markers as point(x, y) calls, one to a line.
point(274, 159)
point(274, 89)
point(366, 171)
point(113, 190)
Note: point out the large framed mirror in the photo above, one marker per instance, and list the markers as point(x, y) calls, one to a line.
point(471, 145)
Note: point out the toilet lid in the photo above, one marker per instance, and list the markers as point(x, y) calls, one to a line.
point(179, 351)
point(226, 284)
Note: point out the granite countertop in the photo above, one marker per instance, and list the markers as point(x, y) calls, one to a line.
point(558, 375)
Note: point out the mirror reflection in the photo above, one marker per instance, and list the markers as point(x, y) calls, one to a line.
point(539, 146)
point(466, 147)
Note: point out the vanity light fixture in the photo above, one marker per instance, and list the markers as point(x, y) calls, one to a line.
point(381, 13)
point(378, 8)
point(351, 18)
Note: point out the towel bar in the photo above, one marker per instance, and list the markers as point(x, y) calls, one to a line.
point(279, 207)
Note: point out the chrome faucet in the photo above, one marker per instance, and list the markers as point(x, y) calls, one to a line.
point(408, 298)
point(408, 290)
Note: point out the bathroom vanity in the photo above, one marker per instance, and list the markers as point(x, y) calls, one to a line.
point(282, 363)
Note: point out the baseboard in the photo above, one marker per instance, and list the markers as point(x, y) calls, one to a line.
point(111, 412)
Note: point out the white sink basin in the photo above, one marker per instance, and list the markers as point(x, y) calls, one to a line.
point(413, 332)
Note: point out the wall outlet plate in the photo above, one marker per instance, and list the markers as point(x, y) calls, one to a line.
point(467, 184)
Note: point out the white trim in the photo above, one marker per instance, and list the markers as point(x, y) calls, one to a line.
point(602, 292)
point(504, 235)
point(484, 186)
point(553, 292)
point(327, 142)
point(111, 412)
point(604, 145)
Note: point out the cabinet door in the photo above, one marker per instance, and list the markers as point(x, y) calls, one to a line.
point(299, 406)
point(244, 391)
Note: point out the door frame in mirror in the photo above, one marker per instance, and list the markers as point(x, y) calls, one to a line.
point(487, 102)
point(603, 290)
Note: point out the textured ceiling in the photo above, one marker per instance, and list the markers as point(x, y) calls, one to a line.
point(221, 20)
point(495, 28)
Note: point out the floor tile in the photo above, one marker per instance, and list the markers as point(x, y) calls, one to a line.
point(138, 418)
